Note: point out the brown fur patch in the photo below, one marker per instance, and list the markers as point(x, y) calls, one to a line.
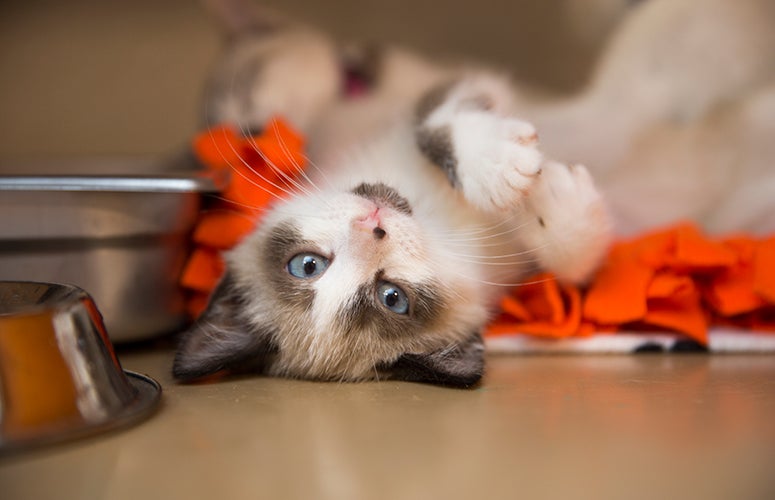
point(382, 193)
point(431, 100)
point(436, 145)
point(365, 312)
point(283, 240)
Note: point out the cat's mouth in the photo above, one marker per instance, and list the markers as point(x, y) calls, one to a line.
point(360, 70)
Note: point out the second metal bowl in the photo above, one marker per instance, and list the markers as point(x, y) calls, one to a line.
point(59, 376)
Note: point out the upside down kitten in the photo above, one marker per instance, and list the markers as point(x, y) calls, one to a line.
point(424, 200)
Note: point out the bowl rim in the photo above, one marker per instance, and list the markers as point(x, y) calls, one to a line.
point(183, 182)
point(146, 390)
point(148, 394)
point(69, 296)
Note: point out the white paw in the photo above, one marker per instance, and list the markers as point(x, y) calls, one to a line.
point(563, 190)
point(570, 227)
point(497, 158)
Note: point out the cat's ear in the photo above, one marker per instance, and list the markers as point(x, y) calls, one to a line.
point(460, 365)
point(221, 340)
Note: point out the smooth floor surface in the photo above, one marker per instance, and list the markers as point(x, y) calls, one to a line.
point(647, 426)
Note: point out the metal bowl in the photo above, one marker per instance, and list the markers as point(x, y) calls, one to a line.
point(123, 237)
point(59, 376)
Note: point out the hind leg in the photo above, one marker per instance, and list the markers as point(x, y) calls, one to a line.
point(288, 72)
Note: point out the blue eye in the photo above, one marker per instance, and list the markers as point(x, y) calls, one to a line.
point(307, 265)
point(392, 297)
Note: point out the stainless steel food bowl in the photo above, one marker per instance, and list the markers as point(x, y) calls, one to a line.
point(121, 236)
point(59, 376)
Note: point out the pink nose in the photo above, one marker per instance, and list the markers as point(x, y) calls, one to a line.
point(368, 222)
point(371, 224)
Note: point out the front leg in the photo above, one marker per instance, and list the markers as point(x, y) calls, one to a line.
point(466, 129)
point(565, 221)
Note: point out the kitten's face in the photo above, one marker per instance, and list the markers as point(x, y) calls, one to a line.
point(342, 286)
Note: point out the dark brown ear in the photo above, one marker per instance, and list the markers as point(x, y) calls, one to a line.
point(221, 340)
point(460, 365)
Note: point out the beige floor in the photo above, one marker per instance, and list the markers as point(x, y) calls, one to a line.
point(651, 427)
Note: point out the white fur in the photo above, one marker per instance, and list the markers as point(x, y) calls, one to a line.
point(666, 123)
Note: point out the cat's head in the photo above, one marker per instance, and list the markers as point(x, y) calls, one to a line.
point(340, 286)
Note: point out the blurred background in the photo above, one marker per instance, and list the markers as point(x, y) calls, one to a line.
point(111, 77)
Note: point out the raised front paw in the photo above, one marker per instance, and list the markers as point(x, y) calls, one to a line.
point(568, 222)
point(564, 191)
point(498, 158)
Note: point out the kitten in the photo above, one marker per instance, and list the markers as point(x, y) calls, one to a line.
point(424, 200)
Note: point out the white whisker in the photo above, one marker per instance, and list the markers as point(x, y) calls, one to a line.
point(513, 263)
point(289, 181)
point(299, 168)
point(273, 208)
point(320, 171)
point(505, 285)
point(478, 229)
point(261, 176)
point(487, 236)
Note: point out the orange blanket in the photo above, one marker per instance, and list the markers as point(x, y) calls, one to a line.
point(261, 169)
point(676, 279)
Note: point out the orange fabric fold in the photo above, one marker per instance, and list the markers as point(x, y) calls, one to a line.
point(260, 169)
point(545, 306)
point(676, 279)
point(764, 270)
point(203, 270)
point(618, 294)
